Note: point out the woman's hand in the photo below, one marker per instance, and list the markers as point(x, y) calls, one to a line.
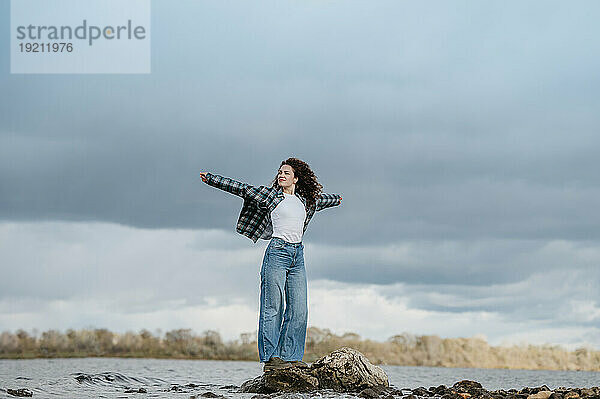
point(203, 177)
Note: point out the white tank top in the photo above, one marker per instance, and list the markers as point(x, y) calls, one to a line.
point(288, 219)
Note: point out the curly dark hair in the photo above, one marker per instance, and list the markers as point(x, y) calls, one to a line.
point(307, 185)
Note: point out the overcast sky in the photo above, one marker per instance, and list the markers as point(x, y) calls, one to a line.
point(464, 138)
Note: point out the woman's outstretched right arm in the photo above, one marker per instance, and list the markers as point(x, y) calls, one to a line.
point(225, 183)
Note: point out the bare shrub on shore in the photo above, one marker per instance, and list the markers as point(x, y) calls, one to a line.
point(403, 349)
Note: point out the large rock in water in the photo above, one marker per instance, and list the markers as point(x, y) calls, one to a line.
point(343, 370)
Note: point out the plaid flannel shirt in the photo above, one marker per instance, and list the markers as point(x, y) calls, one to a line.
point(254, 221)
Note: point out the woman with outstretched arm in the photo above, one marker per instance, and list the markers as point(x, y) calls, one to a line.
point(280, 213)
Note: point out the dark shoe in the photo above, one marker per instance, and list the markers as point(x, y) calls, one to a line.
point(275, 363)
point(298, 363)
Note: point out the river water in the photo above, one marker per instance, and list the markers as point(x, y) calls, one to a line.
point(167, 378)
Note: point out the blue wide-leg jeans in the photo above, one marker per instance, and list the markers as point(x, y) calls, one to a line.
point(282, 280)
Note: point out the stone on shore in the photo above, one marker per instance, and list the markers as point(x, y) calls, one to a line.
point(540, 395)
point(21, 392)
point(287, 380)
point(343, 370)
point(473, 390)
point(348, 370)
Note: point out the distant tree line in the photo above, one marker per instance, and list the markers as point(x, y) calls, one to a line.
point(404, 349)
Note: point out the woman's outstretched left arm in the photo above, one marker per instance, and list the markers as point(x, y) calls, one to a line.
point(232, 186)
point(327, 200)
point(260, 194)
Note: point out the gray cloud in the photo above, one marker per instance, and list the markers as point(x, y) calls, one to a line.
point(121, 275)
